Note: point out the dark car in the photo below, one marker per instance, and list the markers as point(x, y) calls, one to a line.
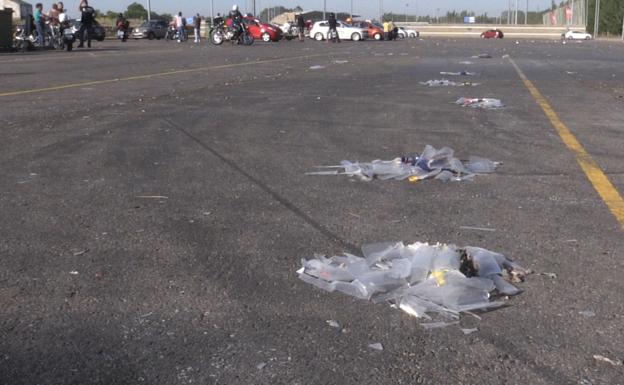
point(153, 29)
point(492, 34)
point(97, 31)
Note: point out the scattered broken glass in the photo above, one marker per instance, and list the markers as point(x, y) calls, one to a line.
point(447, 83)
point(460, 73)
point(431, 164)
point(420, 279)
point(486, 103)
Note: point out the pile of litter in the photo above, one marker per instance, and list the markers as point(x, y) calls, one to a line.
point(431, 164)
point(419, 278)
point(447, 83)
point(461, 73)
point(482, 56)
point(487, 103)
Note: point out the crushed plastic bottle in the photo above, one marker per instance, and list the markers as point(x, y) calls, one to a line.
point(420, 279)
point(447, 83)
point(460, 73)
point(486, 103)
point(430, 164)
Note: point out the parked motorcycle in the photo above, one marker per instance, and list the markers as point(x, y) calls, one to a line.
point(24, 41)
point(173, 34)
point(222, 32)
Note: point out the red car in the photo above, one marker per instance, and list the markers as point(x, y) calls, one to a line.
point(262, 31)
point(374, 31)
point(492, 34)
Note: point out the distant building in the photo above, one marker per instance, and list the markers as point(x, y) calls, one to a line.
point(20, 8)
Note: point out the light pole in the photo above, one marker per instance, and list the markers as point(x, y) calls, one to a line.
point(597, 19)
point(526, 13)
point(149, 10)
point(324, 9)
point(406, 7)
point(212, 12)
point(351, 10)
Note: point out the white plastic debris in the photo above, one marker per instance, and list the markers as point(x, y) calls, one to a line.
point(376, 346)
point(430, 164)
point(420, 279)
point(460, 73)
point(587, 313)
point(599, 357)
point(333, 323)
point(317, 67)
point(261, 365)
point(447, 83)
point(486, 103)
point(469, 331)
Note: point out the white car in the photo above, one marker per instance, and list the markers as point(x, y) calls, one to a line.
point(577, 35)
point(320, 29)
point(404, 32)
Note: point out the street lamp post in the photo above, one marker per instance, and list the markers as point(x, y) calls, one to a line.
point(597, 19)
point(351, 10)
point(149, 10)
point(406, 8)
point(526, 13)
point(324, 9)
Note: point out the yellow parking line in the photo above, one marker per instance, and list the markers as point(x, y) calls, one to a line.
point(154, 75)
point(594, 173)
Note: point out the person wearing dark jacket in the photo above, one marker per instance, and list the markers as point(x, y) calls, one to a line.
point(333, 31)
point(301, 26)
point(87, 17)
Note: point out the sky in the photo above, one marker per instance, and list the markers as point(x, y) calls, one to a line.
point(365, 8)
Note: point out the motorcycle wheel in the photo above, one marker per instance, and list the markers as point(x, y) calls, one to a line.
point(247, 39)
point(216, 37)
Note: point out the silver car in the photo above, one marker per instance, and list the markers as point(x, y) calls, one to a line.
point(153, 29)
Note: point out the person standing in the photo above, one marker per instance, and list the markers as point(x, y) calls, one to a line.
point(197, 28)
point(39, 23)
point(87, 17)
point(301, 26)
point(179, 23)
point(332, 34)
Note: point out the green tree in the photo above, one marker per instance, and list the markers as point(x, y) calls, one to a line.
point(136, 11)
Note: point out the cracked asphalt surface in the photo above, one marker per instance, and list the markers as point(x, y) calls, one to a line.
point(152, 225)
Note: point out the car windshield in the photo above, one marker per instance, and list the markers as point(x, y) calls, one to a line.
point(145, 24)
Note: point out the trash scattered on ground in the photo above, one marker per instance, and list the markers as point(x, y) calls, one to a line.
point(476, 228)
point(585, 381)
point(78, 253)
point(420, 279)
point(73, 272)
point(550, 275)
point(571, 72)
point(469, 331)
point(461, 73)
point(447, 83)
point(376, 346)
point(317, 67)
point(333, 323)
point(598, 357)
point(437, 325)
point(482, 56)
point(466, 62)
point(486, 103)
point(505, 56)
point(340, 61)
point(261, 365)
point(587, 313)
point(152, 197)
point(431, 164)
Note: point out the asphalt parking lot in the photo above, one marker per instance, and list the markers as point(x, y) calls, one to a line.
point(155, 209)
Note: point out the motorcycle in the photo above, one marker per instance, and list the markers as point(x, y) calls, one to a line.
point(23, 40)
point(174, 34)
point(222, 32)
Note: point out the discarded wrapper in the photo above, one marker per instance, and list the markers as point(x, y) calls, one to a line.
point(420, 279)
point(431, 164)
point(486, 103)
point(447, 83)
point(460, 73)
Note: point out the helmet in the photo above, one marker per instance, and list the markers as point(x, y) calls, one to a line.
point(235, 7)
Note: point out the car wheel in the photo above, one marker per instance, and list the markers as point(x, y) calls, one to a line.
point(587, 37)
point(318, 36)
point(377, 36)
point(151, 36)
point(570, 38)
point(356, 37)
point(412, 35)
point(266, 37)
